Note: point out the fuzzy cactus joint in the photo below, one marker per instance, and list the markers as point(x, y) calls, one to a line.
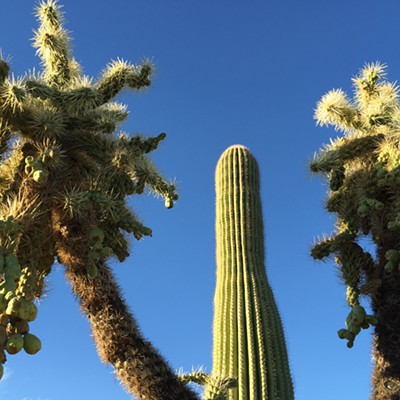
point(362, 167)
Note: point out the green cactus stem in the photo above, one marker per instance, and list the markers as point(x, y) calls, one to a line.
point(249, 342)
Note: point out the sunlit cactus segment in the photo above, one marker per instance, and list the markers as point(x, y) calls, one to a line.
point(249, 342)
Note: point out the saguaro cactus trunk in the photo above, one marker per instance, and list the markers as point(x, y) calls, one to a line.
point(249, 342)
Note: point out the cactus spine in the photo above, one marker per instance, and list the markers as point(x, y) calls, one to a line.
point(249, 341)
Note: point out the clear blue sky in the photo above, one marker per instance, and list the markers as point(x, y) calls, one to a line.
point(228, 72)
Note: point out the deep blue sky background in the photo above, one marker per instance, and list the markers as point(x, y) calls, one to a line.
point(227, 72)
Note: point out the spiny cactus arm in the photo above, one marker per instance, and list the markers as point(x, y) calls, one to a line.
point(335, 155)
point(216, 388)
point(146, 175)
point(120, 74)
point(103, 120)
point(141, 145)
point(52, 42)
point(335, 109)
point(34, 121)
point(376, 98)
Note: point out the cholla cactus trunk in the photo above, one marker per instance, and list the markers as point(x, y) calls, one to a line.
point(138, 365)
point(363, 171)
point(249, 342)
point(386, 343)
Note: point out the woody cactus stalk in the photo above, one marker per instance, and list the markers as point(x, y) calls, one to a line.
point(363, 170)
point(249, 342)
point(64, 181)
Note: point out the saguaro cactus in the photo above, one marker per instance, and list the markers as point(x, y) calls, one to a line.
point(363, 170)
point(64, 180)
point(249, 342)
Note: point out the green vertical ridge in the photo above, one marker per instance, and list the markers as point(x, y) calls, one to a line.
point(249, 342)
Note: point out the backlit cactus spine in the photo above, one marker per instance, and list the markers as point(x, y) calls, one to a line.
point(249, 342)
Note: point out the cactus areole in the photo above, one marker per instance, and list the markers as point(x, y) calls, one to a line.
point(249, 342)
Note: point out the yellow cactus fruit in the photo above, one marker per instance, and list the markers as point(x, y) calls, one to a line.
point(14, 343)
point(32, 344)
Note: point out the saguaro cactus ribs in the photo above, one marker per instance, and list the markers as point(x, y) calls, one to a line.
point(249, 342)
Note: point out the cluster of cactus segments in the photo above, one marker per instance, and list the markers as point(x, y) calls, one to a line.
point(356, 320)
point(249, 341)
point(362, 168)
point(64, 175)
point(17, 309)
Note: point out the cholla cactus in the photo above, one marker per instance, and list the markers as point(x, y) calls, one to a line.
point(363, 171)
point(64, 180)
point(249, 342)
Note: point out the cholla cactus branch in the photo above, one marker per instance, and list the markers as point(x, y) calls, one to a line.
point(363, 170)
point(120, 74)
point(64, 182)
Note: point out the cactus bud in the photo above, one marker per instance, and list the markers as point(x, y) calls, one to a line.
point(393, 256)
point(342, 333)
point(14, 343)
point(106, 252)
point(12, 267)
point(94, 257)
point(169, 203)
point(359, 314)
point(389, 266)
point(96, 235)
point(92, 270)
point(40, 176)
point(32, 344)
